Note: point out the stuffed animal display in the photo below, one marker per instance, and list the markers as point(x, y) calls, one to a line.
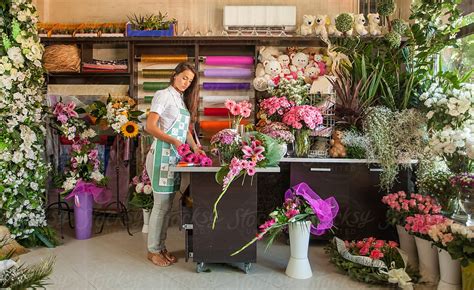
point(337, 148)
point(374, 24)
point(290, 63)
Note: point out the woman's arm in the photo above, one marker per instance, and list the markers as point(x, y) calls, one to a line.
point(153, 129)
point(190, 140)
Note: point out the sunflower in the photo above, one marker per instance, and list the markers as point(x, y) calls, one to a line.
point(129, 129)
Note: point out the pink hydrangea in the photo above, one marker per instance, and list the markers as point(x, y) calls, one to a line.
point(303, 116)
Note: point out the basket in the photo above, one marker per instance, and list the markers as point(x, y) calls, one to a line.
point(62, 58)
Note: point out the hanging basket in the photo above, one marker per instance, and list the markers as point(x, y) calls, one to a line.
point(62, 58)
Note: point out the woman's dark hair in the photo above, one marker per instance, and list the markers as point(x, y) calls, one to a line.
point(191, 95)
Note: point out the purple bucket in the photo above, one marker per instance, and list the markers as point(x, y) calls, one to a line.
point(83, 203)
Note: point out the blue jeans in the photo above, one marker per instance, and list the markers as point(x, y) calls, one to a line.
point(159, 221)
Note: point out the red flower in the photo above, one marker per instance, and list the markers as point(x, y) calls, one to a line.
point(392, 244)
point(379, 244)
point(376, 254)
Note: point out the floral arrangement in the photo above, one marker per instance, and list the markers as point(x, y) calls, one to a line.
point(295, 91)
point(432, 177)
point(251, 151)
point(121, 116)
point(66, 120)
point(23, 169)
point(238, 111)
point(141, 191)
point(226, 144)
point(278, 131)
point(303, 117)
point(419, 224)
point(301, 204)
point(372, 261)
point(463, 181)
point(185, 153)
point(401, 207)
point(274, 108)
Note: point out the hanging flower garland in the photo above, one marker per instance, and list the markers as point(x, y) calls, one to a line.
point(23, 170)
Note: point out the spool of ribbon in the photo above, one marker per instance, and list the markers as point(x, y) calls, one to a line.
point(155, 86)
point(241, 73)
point(157, 73)
point(222, 99)
point(225, 86)
point(163, 58)
point(229, 60)
point(148, 99)
point(216, 112)
point(215, 126)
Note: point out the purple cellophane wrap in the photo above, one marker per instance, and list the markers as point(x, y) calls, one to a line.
point(325, 209)
point(98, 193)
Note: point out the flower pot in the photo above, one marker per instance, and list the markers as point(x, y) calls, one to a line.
point(468, 277)
point(298, 265)
point(302, 143)
point(146, 218)
point(407, 245)
point(428, 261)
point(83, 203)
point(449, 270)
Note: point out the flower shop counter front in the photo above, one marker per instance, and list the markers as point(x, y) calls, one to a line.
point(236, 222)
point(355, 183)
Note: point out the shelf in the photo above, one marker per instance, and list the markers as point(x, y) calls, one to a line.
point(89, 74)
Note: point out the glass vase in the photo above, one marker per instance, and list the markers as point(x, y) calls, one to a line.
point(458, 209)
point(302, 143)
point(466, 203)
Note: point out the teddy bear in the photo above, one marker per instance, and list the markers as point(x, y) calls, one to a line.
point(268, 53)
point(311, 73)
point(299, 61)
point(270, 76)
point(320, 26)
point(284, 61)
point(337, 148)
point(359, 25)
point(306, 27)
point(332, 30)
point(374, 24)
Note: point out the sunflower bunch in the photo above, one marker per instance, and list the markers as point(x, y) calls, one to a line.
point(122, 117)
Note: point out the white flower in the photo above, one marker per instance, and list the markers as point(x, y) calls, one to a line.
point(34, 185)
point(147, 189)
point(87, 134)
point(69, 183)
point(430, 114)
point(139, 187)
point(17, 157)
point(14, 53)
point(97, 176)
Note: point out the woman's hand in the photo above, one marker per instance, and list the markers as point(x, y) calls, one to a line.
point(176, 143)
point(198, 150)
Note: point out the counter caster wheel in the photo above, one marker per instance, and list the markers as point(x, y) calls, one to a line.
point(200, 267)
point(247, 267)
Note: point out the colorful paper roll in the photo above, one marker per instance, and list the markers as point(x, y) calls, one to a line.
point(228, 73)
point(216, 112)
point(148, 99)
point(225, 86)
point(163, 58)
point(216, 126)
point(155, 86)
point(229, 60)
point(157, 73)
point(222, 99)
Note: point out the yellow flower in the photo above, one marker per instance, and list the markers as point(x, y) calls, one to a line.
point(116, 105)
point(125, 113)
point(129, 129)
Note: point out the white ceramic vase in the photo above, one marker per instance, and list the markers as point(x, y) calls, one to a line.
point(449, 272)
point(428, 261)
point(146, 218)
point(408, 246)
point(298, 265)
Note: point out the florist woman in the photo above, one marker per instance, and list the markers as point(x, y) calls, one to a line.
point(171, 111)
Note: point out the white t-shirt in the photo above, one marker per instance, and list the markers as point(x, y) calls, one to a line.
point(167, 104)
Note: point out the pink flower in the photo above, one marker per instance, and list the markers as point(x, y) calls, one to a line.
point(62, 118)
point(69, 109)
point(379, 244)
point(364, 251)
point(93, 154)
point(58, 108)
point(246, 112)
point(229, 104)
point(291, 213)
point(360, 244)
point(135, 180)
point(236, 110)
point(206, 161)
point(183, 150)
point(376, 254)
point(251, 171)
point(267, 225)
point(253, 152)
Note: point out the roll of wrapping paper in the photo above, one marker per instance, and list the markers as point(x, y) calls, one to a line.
point(157, 73)
point(222, 99)
point(148, 99)
point(225, 86)
point(163, 58)
point(212, 127)
point(155, 86)
point(216, 112)
point(228, 73)
point(229, 60)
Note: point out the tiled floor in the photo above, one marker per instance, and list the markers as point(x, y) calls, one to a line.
point(115, 260)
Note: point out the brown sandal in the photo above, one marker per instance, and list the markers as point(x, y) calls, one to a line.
point(169, 256)
point(158, 259)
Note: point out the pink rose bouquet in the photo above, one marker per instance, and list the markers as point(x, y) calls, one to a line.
point(303, 117)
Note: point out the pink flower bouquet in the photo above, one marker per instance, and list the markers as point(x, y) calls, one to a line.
point(303, 117)
point(238, 111)
point(141, 191)
point(184, 151)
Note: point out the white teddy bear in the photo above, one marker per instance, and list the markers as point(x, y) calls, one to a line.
point(320, 26)
point(332, 30)
point(284, 61)
point(374, 21)
point(272, 70)
point(311, 73)
point(307, 27)
point(359, 24)
point(298, 62)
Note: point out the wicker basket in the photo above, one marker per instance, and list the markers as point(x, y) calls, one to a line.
point(62, 58)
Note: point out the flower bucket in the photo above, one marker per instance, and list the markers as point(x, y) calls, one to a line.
point(428, 261)
point(146, 219)
point(83, 203)
point(468, 277)
point(298, 265)
point(302, 143)
point(408, 246)
point(449, 270)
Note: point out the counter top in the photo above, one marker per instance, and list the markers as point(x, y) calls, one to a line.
point(215, 169)
point(333, 160)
